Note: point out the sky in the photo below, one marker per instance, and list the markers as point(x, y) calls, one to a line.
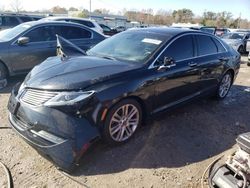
point(237, 7)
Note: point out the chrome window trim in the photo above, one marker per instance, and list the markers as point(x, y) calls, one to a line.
point(151, 66)
point(36, 27)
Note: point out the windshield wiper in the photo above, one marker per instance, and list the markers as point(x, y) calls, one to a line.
point(108, 57)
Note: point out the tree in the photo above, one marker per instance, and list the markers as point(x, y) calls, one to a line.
point(16, 6)
point(183, 15)
point(59, 10)
point(83, 14)
point(73, 9)
point(102, 11)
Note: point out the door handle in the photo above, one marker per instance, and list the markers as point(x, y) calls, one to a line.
point(192, 64)
point(223, 58)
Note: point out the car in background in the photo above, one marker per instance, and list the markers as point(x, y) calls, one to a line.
point(221, 31)
point(86, 22)
point(11, 20)
point(107, 30)
point(65, 104)
point(238, 40)
point(120, 28)
point(248, 57)
point(28, 44)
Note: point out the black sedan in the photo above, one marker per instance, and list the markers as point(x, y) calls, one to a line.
point(28, 44)
point(64, 104)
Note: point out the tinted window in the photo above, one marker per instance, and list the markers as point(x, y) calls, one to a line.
point(206, 45)
point(219, 46)
point(181, 48)
point(41, 34)
point(25, 19)
point(83, 22)
point(69, 32)
point(1, 21)
point(105, 28)
point(10, 21)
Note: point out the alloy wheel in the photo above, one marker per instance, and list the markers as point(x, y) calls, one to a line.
point(124, 122)
point(225, 85)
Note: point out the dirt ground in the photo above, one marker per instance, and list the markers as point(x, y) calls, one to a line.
point(172, 151)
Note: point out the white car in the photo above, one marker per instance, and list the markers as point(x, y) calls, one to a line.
point(86, 22)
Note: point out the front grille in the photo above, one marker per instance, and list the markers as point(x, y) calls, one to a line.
point(36, 97)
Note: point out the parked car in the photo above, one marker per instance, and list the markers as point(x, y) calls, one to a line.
point(238, 40)
point(65, 104)
point(107, 30)
point(86, 22)
point(221, 31)
point(120, 28)
point(28, 44)
point(11, 20)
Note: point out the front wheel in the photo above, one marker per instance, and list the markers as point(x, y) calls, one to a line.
point(224, 85)
point(122, 121)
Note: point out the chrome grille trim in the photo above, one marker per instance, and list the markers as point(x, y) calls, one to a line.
point(36, 97)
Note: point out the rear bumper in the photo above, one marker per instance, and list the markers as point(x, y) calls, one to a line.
point(56, 135)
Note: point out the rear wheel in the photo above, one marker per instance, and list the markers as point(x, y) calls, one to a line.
point(122, 121)
point(224, 86)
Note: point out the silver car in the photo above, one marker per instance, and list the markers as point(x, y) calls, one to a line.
point(238, 40)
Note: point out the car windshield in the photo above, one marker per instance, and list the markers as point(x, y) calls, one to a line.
point(12, 33)
point(129, 46)
point(233, 36)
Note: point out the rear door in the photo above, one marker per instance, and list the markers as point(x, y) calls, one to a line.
point(81, 37)
point(211, 56)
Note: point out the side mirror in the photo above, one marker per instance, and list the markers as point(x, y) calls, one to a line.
point(23, 40)
point(168, 62)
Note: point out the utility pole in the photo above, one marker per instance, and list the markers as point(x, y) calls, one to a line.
point(89, 6)
point(239, 20)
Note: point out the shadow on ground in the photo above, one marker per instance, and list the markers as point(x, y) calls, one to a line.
point(189, 134)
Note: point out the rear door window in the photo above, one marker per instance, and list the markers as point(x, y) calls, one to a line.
point(206, 45)
point(219, 46)
point(25, 18)
point(180, 49)
point(10, 21)
point(83, 22)
point(70, 32)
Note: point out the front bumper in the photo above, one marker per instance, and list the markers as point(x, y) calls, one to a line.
point(61, 137)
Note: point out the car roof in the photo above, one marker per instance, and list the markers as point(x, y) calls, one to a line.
point(168, 30)
point(69, 18)
point(50, 22)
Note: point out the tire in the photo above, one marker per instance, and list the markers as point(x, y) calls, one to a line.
point(119, 127)
point(224, 85)
point(241, 50)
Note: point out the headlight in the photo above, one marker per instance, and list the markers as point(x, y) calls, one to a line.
point(68, 98)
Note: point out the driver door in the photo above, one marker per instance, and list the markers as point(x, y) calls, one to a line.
point(41, 45)
point(178, 81)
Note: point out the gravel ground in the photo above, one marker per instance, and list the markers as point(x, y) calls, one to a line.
point(171, 151)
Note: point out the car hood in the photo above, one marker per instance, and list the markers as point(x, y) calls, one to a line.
point(74, 73)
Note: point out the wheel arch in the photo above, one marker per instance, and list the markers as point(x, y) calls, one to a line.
point(139, 100)
point(6, 67)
